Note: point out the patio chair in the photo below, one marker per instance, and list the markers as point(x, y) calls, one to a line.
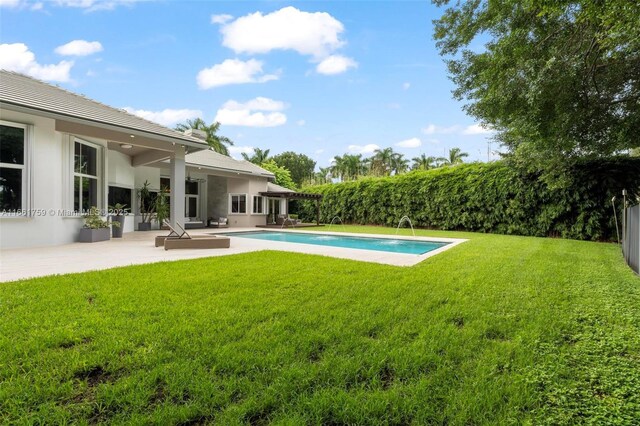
point(221, 222)
point(182, 240)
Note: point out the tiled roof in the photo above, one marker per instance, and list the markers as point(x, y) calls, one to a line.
point(213, 160)
point(272, 187)
point(26, 92)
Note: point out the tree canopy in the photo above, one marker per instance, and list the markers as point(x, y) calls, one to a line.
point(217, 142)
point(300, 166)
point(556, 79)
point(283, 176)
point(258, 157)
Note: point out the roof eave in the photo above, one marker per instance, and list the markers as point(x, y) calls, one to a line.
point(184, 140)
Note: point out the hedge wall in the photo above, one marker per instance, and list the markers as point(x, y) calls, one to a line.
point(486, 198)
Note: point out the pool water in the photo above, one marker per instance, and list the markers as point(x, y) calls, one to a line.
point(392, 245)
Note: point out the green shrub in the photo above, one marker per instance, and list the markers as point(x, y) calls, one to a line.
point(490, 197)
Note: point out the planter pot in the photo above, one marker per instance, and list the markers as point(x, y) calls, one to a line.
point(144, 226)
point(116, 231)
point(94, 235)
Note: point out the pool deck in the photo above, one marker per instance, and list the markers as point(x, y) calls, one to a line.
point(137, 248)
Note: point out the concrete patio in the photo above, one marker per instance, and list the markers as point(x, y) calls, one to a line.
point(138, 248)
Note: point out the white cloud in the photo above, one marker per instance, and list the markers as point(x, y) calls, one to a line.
point(394, 105)
point(234, 113)
point(410, 143)
point(79, 48)
point(258, 104)
point(221, 19)
point(236, 151)
point(10, 3)
point(94, 5)
point(476, 129)
point(17, 57)
point(363, 149)
point(316, 34)
point(318, 151)
point(405, 86)
point(335, 64)
point(37, 6)
point(166, 117)
point(301, 122)
point(432, 129)
point(233, 71)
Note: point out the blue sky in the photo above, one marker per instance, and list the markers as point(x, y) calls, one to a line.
point(319, 78)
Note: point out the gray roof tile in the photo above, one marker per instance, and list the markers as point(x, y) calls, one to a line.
point(20, 90)
point(213, 160)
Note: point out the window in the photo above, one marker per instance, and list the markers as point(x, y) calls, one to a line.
point(191, 204)
point(85, 176)
point(165, 182)
point(119, 195)
point(13, 168)
point(238, 203)
point(258, 204)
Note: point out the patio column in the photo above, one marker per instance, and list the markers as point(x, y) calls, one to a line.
point(318, 211)
point(176, 206)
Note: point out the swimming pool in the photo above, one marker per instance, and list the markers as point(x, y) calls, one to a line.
point(392, 245)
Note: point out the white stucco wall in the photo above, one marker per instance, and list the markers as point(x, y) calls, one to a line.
point(250, 186)
point(50, 189)
point(45, 190)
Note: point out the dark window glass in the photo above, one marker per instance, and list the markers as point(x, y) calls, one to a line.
point(76, 193)
point(165, 183)
point(10, 188)
point(85, 193)
point(238, 204)
point(191, 188)
point(85, 159)
point(89, 193)
point(191, 207)
point(120, 195)
point(257, 204)
point(11, 145)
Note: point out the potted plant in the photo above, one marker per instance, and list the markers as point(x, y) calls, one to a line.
point(146, 205)
point(118, 216)
point(162, 206)
point(95, 228)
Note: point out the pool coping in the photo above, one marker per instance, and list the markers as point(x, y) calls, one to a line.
point(363, 255)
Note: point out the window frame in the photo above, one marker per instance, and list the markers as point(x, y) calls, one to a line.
point(25, 198)
point(98, 176)
point(263, 209)
point(129, 188)
point(231, 212)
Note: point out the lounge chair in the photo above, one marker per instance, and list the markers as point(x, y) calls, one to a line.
point(182, 240)
point(219, 223)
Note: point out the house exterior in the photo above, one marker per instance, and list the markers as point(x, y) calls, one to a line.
point(61, 153)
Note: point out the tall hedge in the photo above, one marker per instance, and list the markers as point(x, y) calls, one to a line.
point(490, 197)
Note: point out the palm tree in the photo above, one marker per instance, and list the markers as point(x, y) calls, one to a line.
point(258, 157)
point(354, 166)
point(398, 164)
point(423, 162)
point(348, 167)
point(382, 161)
point(324, 175)
point(455, 157)
point(218, 143)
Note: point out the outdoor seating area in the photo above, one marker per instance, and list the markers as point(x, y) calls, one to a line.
point(183, 240)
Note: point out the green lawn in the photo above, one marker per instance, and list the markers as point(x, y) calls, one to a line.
point(499, 330)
